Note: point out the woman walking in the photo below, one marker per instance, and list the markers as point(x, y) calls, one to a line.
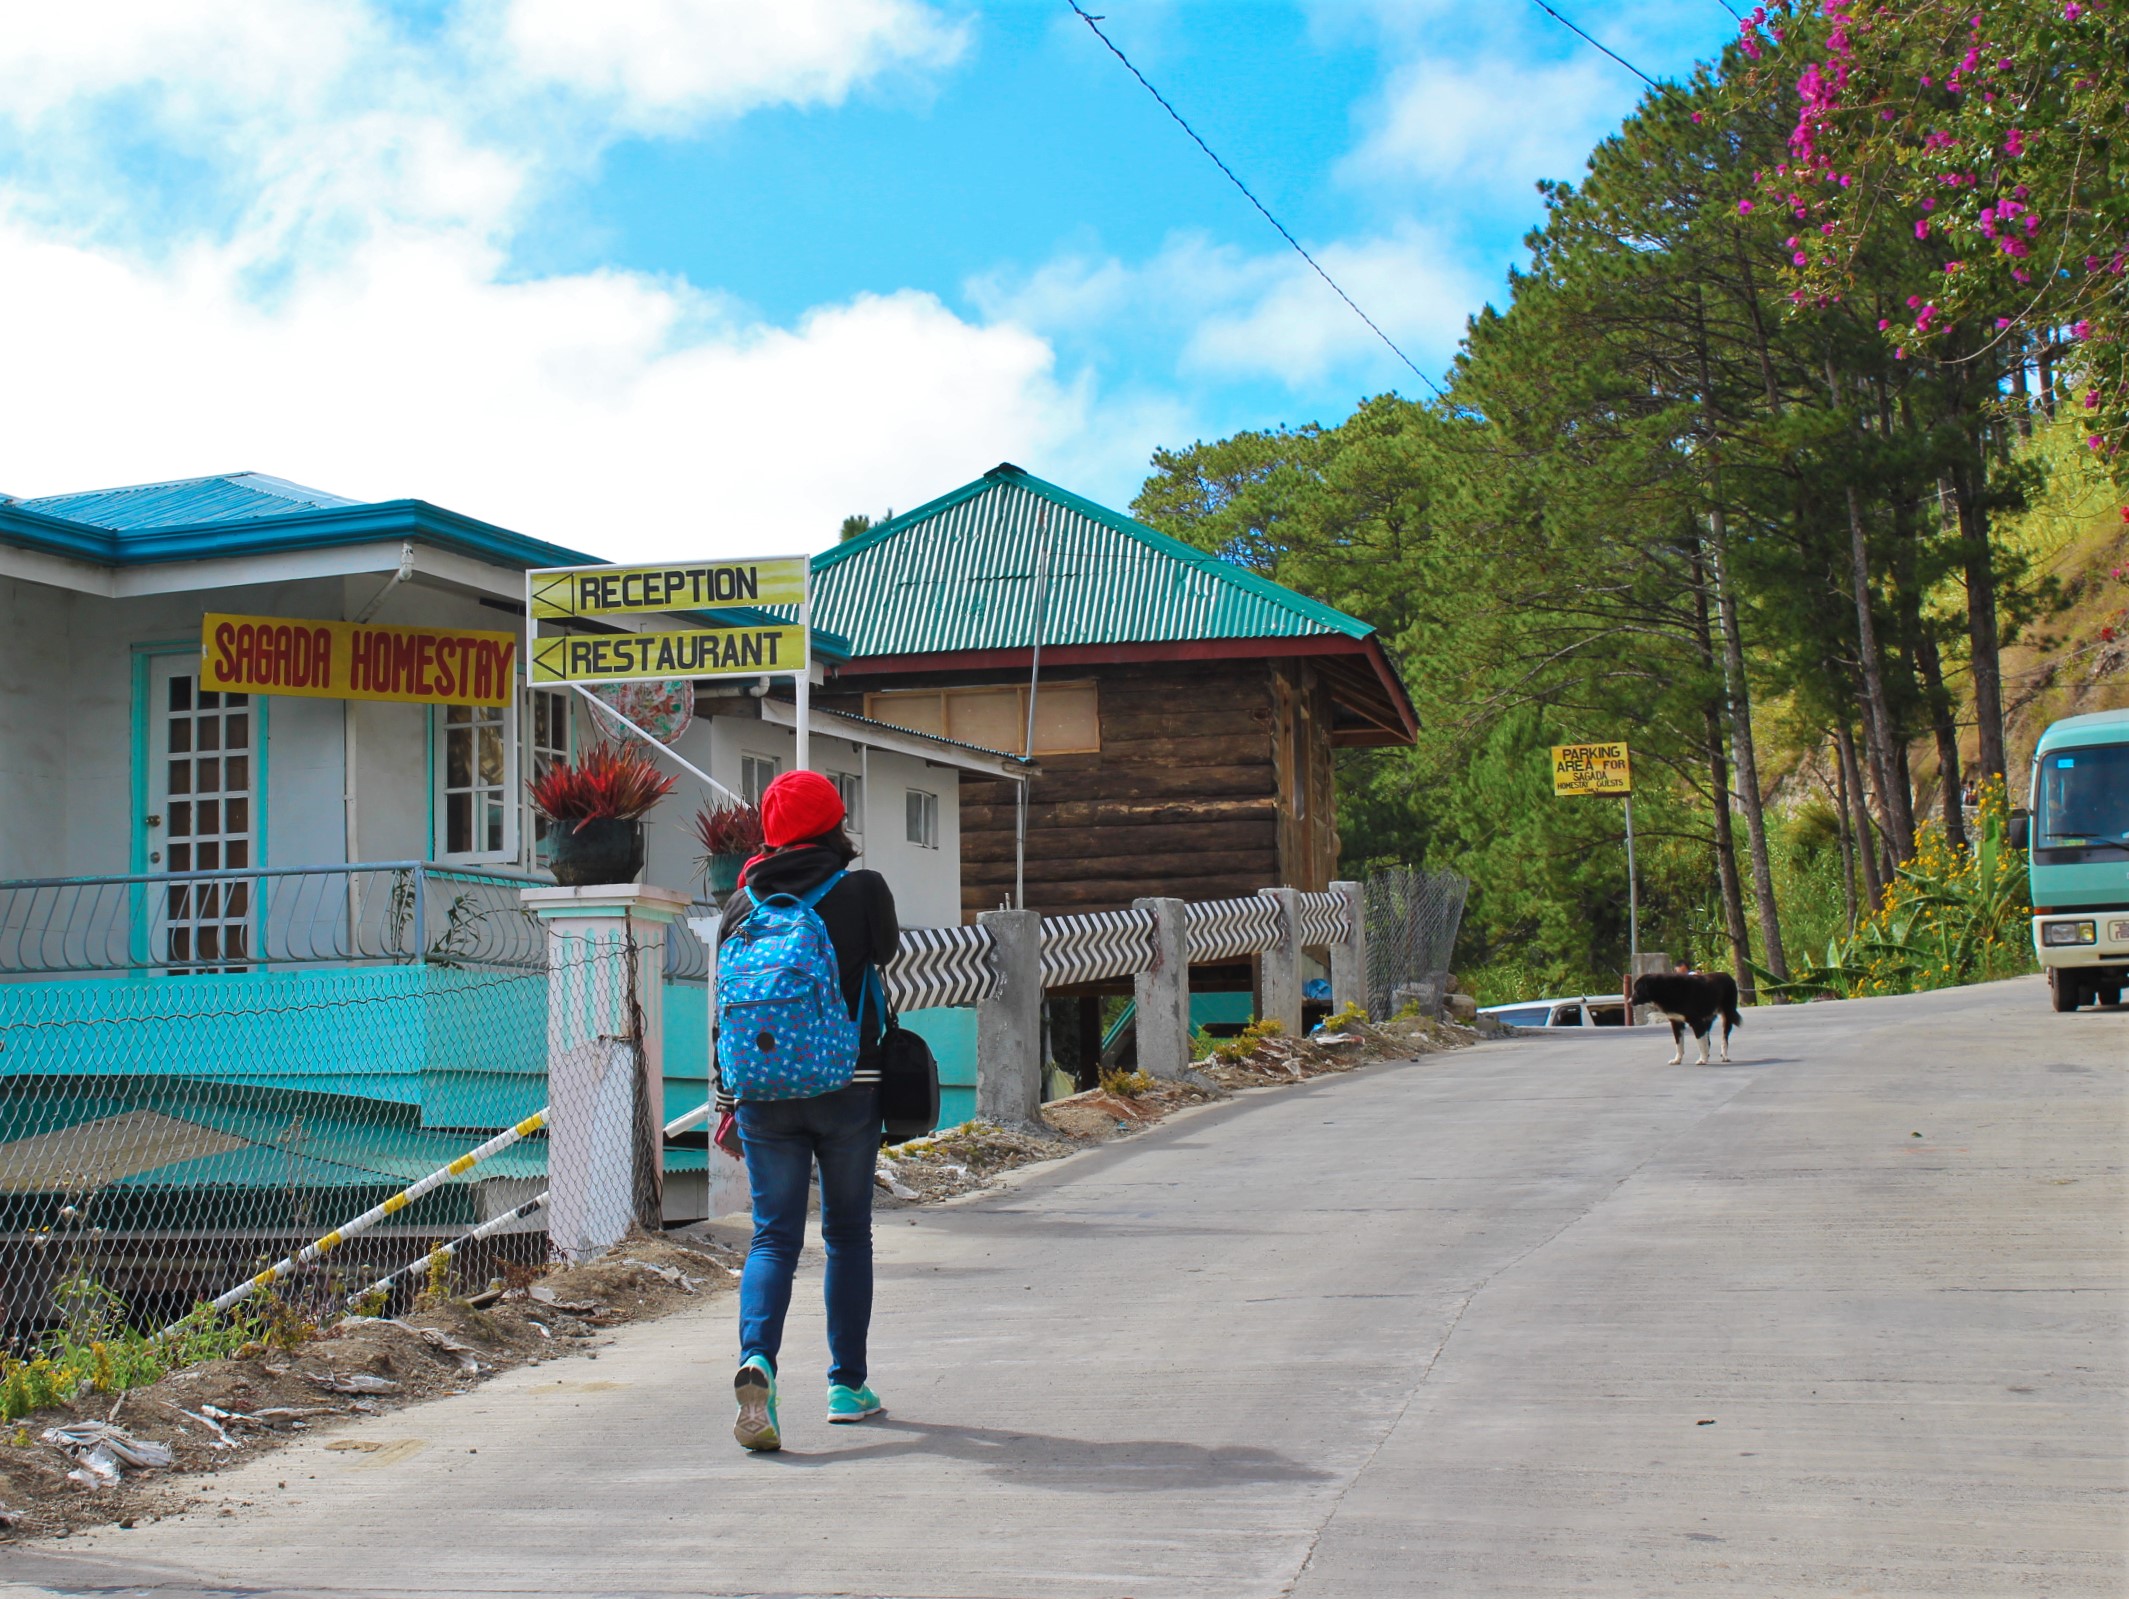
point(800, 1010)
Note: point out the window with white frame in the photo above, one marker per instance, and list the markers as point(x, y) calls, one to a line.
point(852, 787)
point(923, 819)
point(475, 812)
point(756, 773)
point(550, 728)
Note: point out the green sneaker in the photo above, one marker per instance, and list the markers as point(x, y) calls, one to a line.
point(852, 1404)
point(754, 1385)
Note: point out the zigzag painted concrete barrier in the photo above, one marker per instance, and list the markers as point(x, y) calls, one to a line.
point(1086, 949)
point(941, 966)
point(1224, 929)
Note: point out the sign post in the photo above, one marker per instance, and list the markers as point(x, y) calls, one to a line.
point(762, 648)
point(1605, 769)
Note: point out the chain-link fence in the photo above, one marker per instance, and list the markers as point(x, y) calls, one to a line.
point(163, 1140)
point(1413, 917)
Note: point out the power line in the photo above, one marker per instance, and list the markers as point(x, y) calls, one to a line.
point(1586, 39)
point(1094, 23)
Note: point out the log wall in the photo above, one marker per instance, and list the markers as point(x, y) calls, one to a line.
point(1214, 779)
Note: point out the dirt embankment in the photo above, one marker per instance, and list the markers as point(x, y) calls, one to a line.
point(163, 1443)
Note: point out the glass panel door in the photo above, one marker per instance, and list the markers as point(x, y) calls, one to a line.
point(201, 805)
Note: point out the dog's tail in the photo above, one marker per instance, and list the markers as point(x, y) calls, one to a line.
point(1730, 1018)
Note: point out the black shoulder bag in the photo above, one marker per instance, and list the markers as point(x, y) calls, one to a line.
point(909, 1078)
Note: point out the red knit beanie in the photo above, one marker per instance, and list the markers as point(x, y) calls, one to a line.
point(799, 805)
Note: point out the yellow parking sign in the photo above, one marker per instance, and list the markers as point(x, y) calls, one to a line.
point(1591, 769)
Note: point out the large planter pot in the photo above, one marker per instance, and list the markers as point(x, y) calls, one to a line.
point(722, 877)
point(603, 850)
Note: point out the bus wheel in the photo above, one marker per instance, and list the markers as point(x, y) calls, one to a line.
point(2108, 996)
point(2064, 989)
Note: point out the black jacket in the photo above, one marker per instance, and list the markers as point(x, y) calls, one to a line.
point(858, 913)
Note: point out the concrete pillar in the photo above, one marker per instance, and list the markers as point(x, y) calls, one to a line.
point(1349, 961)
point(1009, 1027)
point(605, 1059)
point(1279, 969)
point(1162, 992)
point(727, 1178)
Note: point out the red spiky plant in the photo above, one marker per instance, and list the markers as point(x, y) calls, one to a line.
point(604, 784)
point(728, 829)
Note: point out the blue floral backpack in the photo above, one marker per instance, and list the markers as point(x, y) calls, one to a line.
point(783, 1031)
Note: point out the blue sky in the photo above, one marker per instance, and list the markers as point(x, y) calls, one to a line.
point(665, 276)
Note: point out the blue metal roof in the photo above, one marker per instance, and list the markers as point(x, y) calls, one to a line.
point(225, 497)
point(243, 514)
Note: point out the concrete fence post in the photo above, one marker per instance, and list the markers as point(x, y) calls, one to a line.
point(1279, 970)
point(1162, 991)
point(1349, 960)
point(605, 1059)
point(1009, 1025)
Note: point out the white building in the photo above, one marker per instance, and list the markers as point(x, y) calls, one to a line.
point(113, 762)
point(294, 890)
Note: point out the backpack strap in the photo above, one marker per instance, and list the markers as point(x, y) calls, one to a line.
point(809, 899)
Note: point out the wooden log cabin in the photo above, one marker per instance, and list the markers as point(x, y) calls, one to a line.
point(1186, 711)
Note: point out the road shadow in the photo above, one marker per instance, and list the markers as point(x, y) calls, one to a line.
point(1070, 1465)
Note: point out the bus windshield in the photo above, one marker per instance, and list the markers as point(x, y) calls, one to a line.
point(2084, 797)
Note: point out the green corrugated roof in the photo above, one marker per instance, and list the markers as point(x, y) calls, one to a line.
point(959, 574)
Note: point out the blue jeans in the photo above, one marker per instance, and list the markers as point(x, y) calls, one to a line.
point(783, 1139)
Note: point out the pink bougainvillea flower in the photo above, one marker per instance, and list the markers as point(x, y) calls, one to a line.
point(2081, 329)
point(1921, 227)
point(1744, 208)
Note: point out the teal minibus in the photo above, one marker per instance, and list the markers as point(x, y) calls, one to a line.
point(2076, 827)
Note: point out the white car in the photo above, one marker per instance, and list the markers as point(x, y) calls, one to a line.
point(1576, 1010)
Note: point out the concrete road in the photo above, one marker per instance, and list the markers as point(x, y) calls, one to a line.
point(1543, 1317)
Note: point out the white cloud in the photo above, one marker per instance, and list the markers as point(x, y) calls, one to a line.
point(218, 57)
point(1231, 314)
point(1297, 329)
point(662, 60)
point(604, 410)
point(1494, 123)
point(327, 295)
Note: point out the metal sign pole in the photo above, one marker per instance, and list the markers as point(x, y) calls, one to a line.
point(659, 745)
point(1633, 896)
point(804, 686)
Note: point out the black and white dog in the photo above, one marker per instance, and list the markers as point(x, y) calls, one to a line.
point(1692, 999)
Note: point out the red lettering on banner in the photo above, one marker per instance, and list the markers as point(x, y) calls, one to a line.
point(225, 663)
point(424, 660)
point(403, 656)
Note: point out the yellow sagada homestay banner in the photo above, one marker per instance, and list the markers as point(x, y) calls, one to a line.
point(1591, 769)
point(640, 657)
point(680, 586)
point(357, 660)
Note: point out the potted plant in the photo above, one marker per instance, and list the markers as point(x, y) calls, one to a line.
point(597, 806)
point(730, 835)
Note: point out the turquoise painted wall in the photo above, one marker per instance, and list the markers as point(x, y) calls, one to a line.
point(687, 1047)
point(951, 1032)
